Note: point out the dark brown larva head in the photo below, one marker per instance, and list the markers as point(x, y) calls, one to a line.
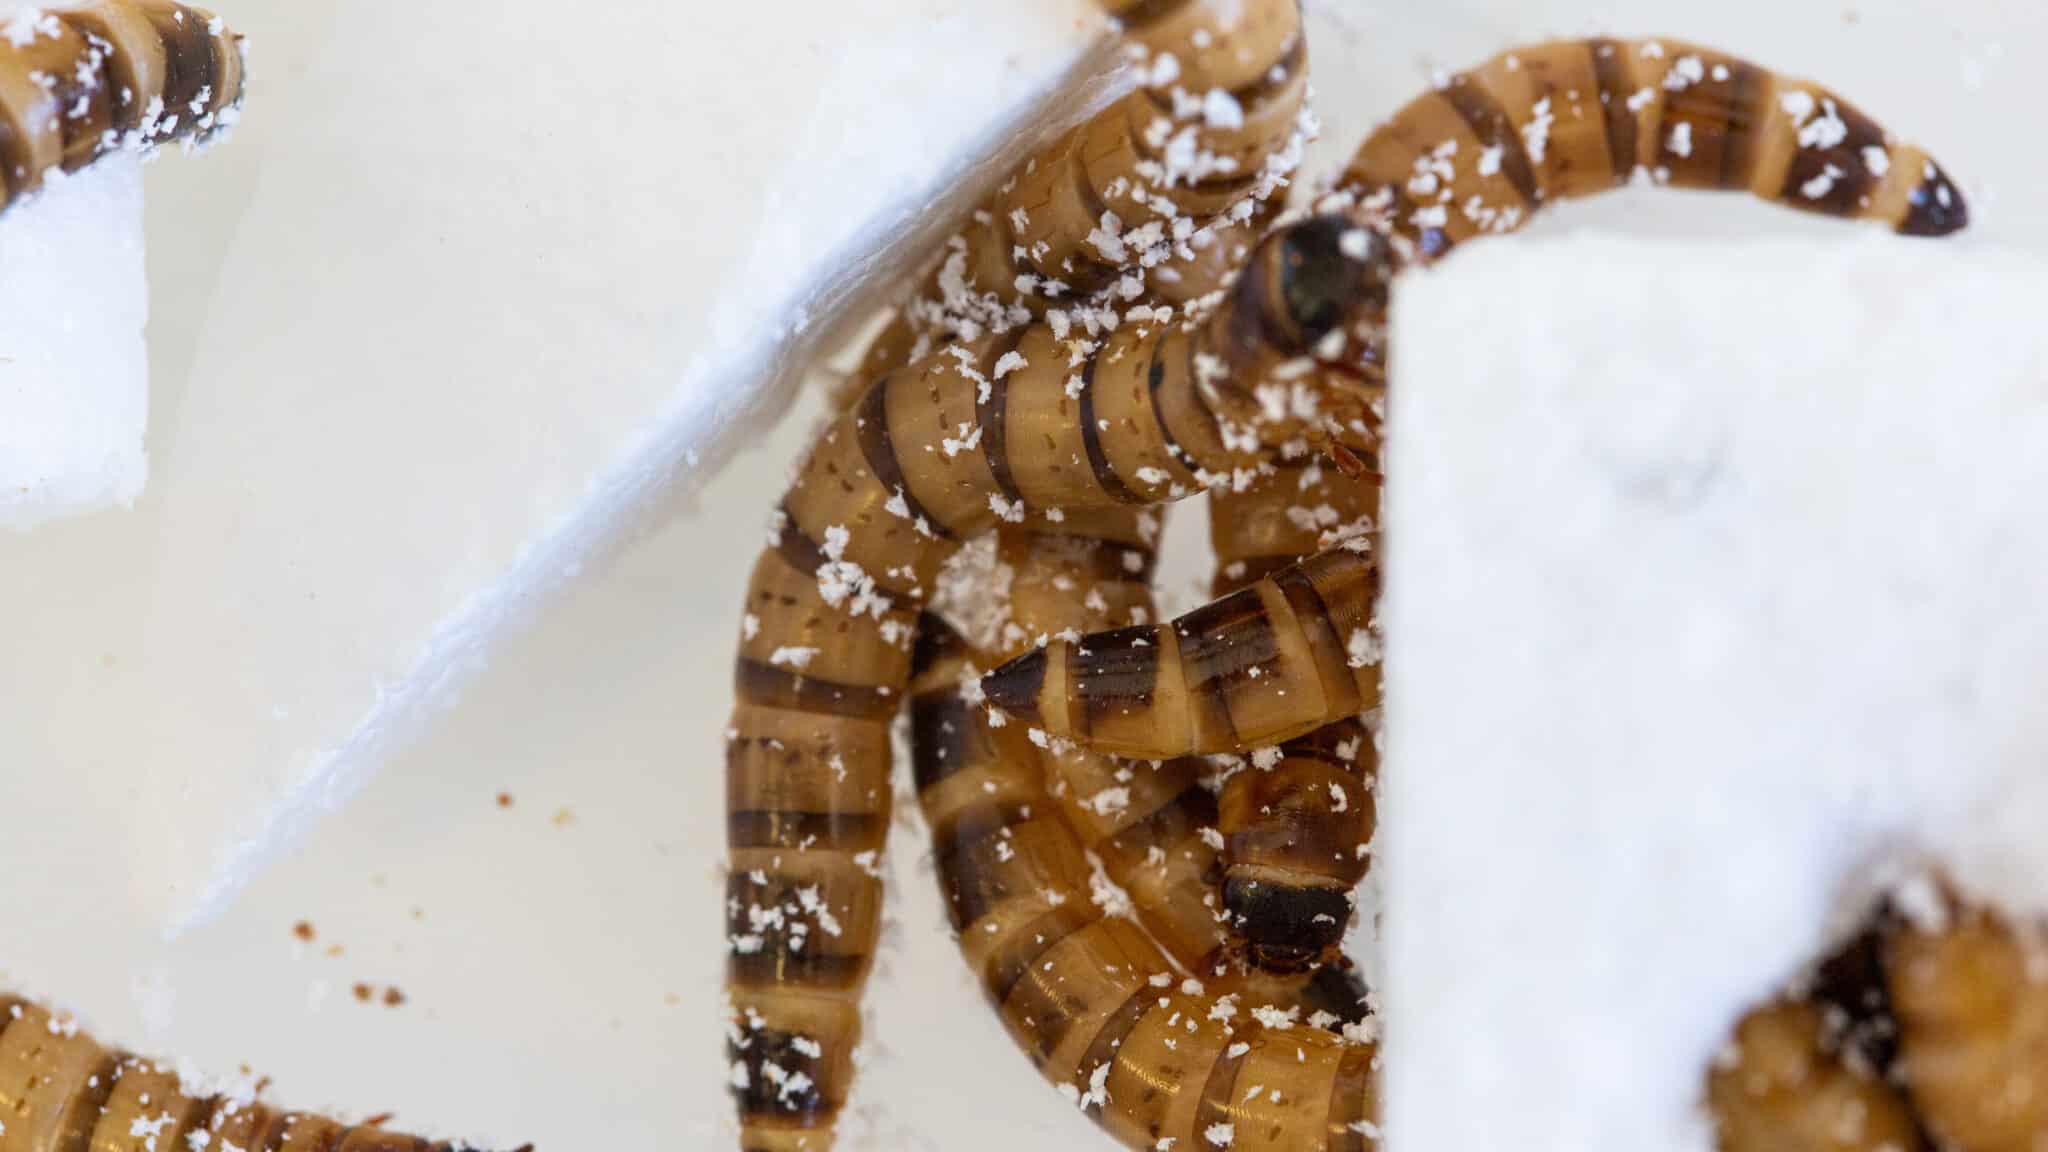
point(1308, 280)
point(1935, 207)
point(1287, 927)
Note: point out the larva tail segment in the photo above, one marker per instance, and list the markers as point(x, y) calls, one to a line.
point(1782, 1085)
point(79, 83)
point(819, 679)
point(1568, 119)
point(1972, 1002)
point(61, 1091)
point(1157, 1060)
point(1256, 668)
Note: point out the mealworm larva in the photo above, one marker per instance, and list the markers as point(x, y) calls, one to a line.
point(1779, 1088)
point(1574, 118)
point(1158, 1060)
point(60, 1091)
point(1476, 156)
point(1972, 1003)
point(78, 83)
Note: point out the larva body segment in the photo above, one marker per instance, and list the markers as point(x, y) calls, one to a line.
point(1780, 1089)
point(109, 75)
point(60, 1091)
point(1574, 118)
point(1096, 1005)
point(1262, 666)
point(1972, 1003)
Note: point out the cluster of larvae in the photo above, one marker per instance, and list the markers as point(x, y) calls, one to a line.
point(1148, 832)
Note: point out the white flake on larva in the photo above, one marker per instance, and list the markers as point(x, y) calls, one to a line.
point(1363, 649)
point(968, 440)
point(750, 626)
point(1220, 1135)
point(1010, 362)
point(1340, 801)
point(1163, 1144)
point(1489, 161)
point(1006, 510)
point(1276, 1018)
point(1222, 111)
point(1642, 98)
point(1105, 893)
point(1685, 72)
point(1821, 184)
point(793, 657)
point(1266, 759)
point(1824, 131)
point(1109, 801)
point(27, 25)
point(1876, 160)
point(1536, 133)
point(1681, 139)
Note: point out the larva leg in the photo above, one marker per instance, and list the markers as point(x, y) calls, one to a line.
point(60, 1091)
point(1158, 1060)
point(1779, 1088)
point(81, 82)
point(1574, 118)
point(1972, 1002)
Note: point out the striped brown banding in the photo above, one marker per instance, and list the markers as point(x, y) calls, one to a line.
point(1111, 1036)
point(795, 546)
point(1091, 441)
point(1612, 77)
point(1747, 119)
point(252, 1127)
point(1219, 1090)
point(791, 1103)
point(767, 686)
point(936, 643)
point(1155, 376)
point(969, 863)
point(775, 965)
point(1351, 1100)
point(1106, 561)
point(992, 414)
point(878, 448)
point(1145, 13)
point(1844, 181)
point(756, 828)
point(1339, 990)
point(1212, 420)
point(1015, 687)
point(1219, 644)
point(1475, 104)
point(190, 67)
point(1014, 960)
point(1331, 657)
point(1170, 823)
point(1116, 675)
point(1248, 95)
point(945, 737)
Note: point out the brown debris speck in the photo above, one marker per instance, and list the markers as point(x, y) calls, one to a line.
point(363, 993)
point(504, 799)
point(303, 930)
point(564, 818)
point(393, 998)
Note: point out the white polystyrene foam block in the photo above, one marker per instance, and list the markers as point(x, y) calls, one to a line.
point(512, 278)
point(1714, 604)
point(74, 381)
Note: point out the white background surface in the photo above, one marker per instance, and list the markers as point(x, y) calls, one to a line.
point(562, 981)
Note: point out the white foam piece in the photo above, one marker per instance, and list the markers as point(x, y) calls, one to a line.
point(1715, 599)
point(511, 281)
point(74, 379)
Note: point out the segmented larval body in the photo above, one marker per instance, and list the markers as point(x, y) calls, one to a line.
point(1779, 1088)
point(1005, 430)
point(1478, 155)
point(1158, 1058)
point(60, 1091)
point(78, 83)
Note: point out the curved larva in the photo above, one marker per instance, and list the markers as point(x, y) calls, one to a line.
point(1478, 155)
point(1779, 1088)
point(1569, 119)
point(109, 75)
point(60, 1091)
point(1158, 1060)
point(951, 447)
point(1972, 1004)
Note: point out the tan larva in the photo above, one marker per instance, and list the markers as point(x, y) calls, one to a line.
point(1460, 161)
point(1972, 1004)
point(1575, 118)
point(949, 448)
point(109, 75)
point(1779, 1088)
point(1101, 1010)
point(60, 1091)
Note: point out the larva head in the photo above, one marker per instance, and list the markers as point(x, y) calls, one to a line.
point(1299, 335)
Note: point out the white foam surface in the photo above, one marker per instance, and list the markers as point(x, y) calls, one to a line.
point(508, 278)
point(74, 379)
point(1714, 599)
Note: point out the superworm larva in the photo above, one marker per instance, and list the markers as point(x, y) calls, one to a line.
point(60, 1091)
point(1479, 155)
point(1217, 99)
point(1972, 1003)
point(1574, 118)
point(77, 83)
point(1779, 1088)
point(1158, 1059)
point(955, 445)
